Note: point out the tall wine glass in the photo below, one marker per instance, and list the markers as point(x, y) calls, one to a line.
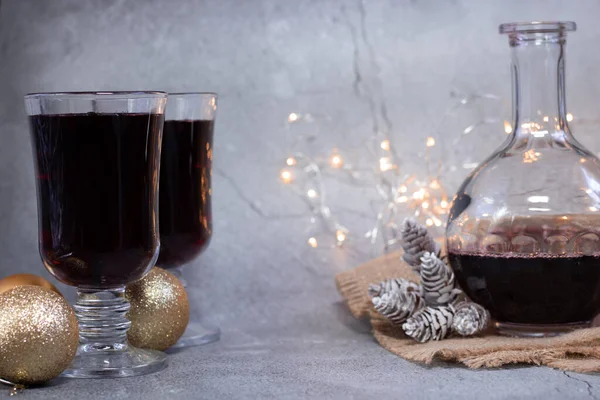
point(97, 157)
point(185, 191)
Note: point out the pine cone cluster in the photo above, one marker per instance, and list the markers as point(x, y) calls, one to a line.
point(431, 310)
point(398, 305)
point(416, 241)
point(392, 285)
point(431, 323)
point(437, 281)
point(470, 318)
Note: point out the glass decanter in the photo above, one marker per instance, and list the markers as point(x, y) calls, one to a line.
point(523, 234)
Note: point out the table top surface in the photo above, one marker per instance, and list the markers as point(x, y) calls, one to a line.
point(244, 366)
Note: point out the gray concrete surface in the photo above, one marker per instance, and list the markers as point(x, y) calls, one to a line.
point(285, 332)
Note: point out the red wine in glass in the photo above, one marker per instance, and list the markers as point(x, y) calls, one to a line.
point(94, 196)
point(185, 191)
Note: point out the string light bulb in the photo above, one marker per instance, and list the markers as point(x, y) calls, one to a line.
point(311, 193)
point(312, 241)
point(286, 176)
point(569, 117)
point(430, 142)
point(419, 194)
point(385, 164)
point(507, 127)
point(336, 161)
point(385, 145)
point(340, 235)
point(293, 117)
point(290, 161)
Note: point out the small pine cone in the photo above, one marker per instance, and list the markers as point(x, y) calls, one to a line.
point(430, 324)
point(392, 285)
point(437, 281)
point(415, 242)
point(470, 318)
point(398, 305)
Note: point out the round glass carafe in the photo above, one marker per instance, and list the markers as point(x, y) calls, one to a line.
point(523, 234)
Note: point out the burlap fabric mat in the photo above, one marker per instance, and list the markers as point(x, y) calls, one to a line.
point(577, 351)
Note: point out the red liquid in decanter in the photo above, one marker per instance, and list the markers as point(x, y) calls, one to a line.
point(531, 286)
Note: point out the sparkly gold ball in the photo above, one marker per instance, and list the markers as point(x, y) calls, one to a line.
point(38, 335)
point(160, 310)
point(25, 279)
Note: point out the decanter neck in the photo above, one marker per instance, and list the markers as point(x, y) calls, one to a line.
point(538, 75)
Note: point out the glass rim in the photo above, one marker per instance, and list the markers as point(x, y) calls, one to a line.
point(198, 94)
point(109, 95)
point(538, 27)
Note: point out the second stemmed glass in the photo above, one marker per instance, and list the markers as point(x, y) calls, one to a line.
point(97, 160)
point(185, 191)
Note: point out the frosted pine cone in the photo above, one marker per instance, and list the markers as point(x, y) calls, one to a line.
point(415, 242)
point(399, 304)
point(392, 285)
point(430, 324)
point(470, 318)
point(437, 281)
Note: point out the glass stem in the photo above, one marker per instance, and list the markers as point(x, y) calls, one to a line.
point(103, 324)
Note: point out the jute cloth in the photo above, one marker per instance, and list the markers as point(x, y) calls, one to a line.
point(576, 351)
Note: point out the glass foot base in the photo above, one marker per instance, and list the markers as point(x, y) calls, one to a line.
point(530, 330)
point(92, 362)
point(198, 334)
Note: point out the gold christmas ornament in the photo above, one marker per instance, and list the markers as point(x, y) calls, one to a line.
point(25, 279)
point(160, 310)
point(38, 335)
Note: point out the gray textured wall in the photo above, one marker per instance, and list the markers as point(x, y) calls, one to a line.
point(267, 58)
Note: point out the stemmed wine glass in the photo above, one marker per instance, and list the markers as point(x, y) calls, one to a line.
point(97, 157)
point(185, 191)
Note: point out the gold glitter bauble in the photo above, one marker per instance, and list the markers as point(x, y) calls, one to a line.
point(38, 335)
point(160, 310)
point(25, 279)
